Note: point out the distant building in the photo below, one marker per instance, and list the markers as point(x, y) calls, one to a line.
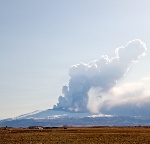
point(36, 127)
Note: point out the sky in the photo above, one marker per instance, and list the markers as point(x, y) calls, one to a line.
point(41, 40)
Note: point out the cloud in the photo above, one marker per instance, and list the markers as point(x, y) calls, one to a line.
point(128, 99)
point(90, 84)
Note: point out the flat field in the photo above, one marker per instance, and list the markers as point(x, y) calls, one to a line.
point(76, 135)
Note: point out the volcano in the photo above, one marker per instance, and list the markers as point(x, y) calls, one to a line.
point(57, 117)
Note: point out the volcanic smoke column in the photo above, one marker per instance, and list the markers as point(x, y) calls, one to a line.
point(102, 74)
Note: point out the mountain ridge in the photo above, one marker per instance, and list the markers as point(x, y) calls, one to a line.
point(57, 117)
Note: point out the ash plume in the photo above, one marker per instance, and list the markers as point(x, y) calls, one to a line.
point(90, 83)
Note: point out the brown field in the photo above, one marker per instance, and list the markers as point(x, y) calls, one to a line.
point(76, 135)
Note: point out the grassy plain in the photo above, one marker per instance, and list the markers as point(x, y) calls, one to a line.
point(77, 135)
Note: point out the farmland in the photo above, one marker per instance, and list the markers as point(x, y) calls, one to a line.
point(76, 135)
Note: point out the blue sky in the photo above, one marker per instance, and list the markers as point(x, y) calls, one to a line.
point(41, 40)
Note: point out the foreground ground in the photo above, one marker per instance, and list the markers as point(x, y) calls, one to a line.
point(76, 135)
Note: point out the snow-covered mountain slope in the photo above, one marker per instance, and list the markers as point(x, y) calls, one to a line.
point(53, 117)
point(51, 113)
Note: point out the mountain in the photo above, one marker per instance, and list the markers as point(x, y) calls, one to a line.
point(52, 114)
point(56, 117)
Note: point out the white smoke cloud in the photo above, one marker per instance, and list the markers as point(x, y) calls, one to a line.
point(90, 84)
point(95, 100)
point(128, 99)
